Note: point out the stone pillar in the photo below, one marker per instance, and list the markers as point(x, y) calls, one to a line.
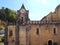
point(6, 34)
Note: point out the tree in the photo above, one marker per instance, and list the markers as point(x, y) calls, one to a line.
point(2, 14)
point(7, 14)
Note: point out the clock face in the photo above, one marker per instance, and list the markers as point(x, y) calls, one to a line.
point(22, 11)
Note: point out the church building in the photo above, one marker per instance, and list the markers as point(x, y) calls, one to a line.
point(26, 32)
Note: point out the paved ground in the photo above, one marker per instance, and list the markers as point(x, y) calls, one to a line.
point(1, 43)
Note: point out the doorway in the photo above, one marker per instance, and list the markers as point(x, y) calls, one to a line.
point(50, 42)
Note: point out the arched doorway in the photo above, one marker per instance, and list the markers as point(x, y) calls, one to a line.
point(50, 42)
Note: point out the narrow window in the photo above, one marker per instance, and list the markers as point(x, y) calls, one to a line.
point(54, 31)
point(37, 31)
point(10, 33)
point(22, 19)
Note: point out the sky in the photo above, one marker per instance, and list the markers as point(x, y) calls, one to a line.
point(37, 8)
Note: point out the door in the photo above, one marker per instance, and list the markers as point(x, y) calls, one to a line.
point(49, 42)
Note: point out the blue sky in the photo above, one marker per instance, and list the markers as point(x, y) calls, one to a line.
point(37, 8)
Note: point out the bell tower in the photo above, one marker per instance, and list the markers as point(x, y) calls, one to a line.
point(21, 26)
point(23, 15)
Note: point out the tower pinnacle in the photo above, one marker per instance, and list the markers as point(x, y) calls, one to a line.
point(23, 6)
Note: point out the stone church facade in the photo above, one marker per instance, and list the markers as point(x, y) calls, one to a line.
point(27, 32)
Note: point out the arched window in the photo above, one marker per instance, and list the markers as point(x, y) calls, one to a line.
point(22, 19)
point(37, 31)
point(10, 33)
point(54, 31)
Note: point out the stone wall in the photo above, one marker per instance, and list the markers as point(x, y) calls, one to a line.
point(46, 33)
point(11, 35)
